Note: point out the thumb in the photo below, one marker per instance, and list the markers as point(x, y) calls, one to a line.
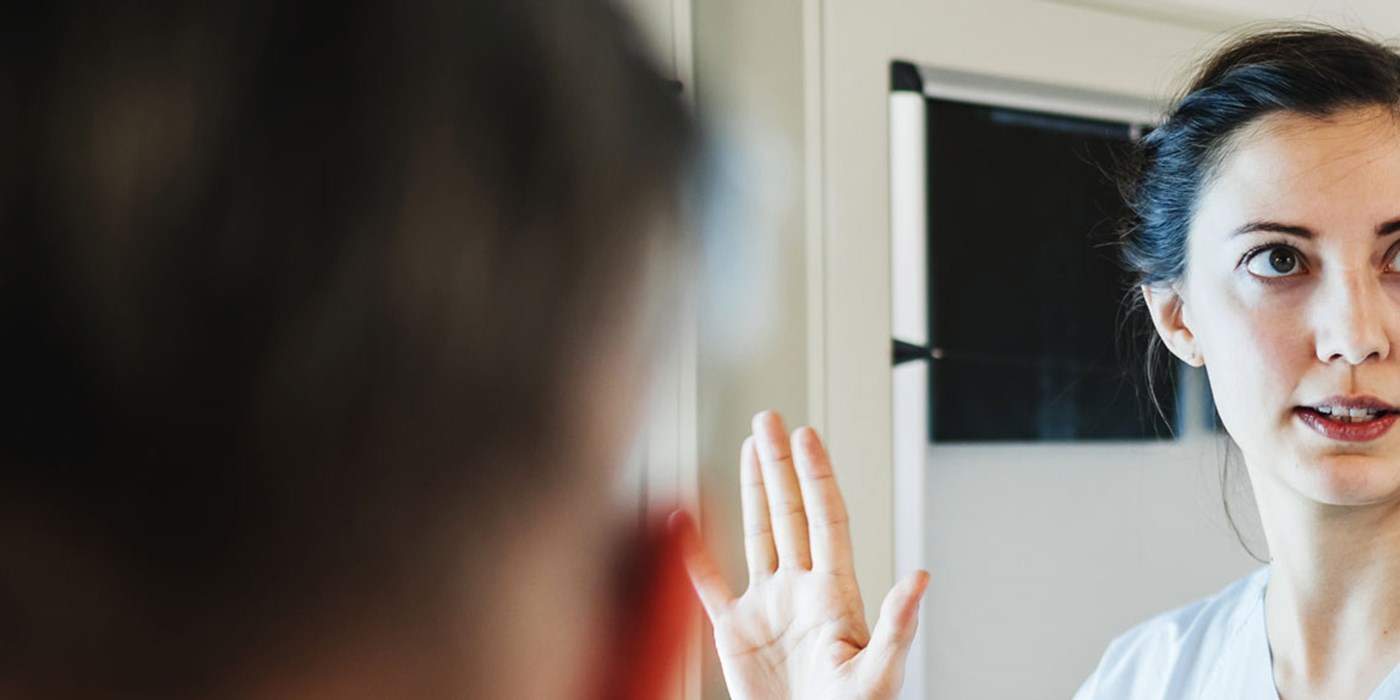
point(899, 619)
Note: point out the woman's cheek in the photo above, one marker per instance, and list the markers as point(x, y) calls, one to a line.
point(1392, 295)
point(1256, 351)
point(1278, 349)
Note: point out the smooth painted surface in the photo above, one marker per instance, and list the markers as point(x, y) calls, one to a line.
point(1379, 16)
point(909, 218)
point(911, 496)
point(910, 322)
point(1040, 556)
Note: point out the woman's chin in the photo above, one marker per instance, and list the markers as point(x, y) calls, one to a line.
point(1348, 479)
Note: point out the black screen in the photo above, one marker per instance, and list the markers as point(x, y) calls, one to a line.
point(1027, 298)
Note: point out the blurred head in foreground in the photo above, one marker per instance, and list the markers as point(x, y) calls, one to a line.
point(322, 330)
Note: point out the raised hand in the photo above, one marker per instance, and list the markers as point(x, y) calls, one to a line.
point(799, 631)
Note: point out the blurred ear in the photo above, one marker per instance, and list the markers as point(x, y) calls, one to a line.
point(1168, 310)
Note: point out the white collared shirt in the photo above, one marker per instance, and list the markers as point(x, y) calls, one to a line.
point(1214, 648)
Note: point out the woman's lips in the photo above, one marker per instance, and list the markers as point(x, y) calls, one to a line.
point(1364, 431)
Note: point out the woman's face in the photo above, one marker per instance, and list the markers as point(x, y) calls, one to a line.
point(1292, 301)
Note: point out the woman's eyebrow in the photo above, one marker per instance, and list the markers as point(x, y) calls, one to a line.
point(1383, 229)
point(1290, 229)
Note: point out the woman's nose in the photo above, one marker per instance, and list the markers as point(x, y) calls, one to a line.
point(1352, 322)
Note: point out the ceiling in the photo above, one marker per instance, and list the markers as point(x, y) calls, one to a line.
point(1377, 17)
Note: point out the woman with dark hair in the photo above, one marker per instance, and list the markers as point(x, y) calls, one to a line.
point(322, 324)
point(1267, 244)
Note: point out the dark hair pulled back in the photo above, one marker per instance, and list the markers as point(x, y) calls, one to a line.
point(1315, 71)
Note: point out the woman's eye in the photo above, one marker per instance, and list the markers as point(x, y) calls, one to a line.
point(1392, 263)
point(1278, 261)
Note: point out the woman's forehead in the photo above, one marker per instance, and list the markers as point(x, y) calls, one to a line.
point(1337, 171)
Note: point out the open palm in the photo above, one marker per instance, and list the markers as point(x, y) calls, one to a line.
point(799, 631)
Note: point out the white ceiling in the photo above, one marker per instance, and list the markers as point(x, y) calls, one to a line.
point(1378, 17)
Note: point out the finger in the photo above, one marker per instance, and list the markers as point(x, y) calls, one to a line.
point(759, 550)
point(827, 522)
point(705, 575)
point(899, 620)
point(787, 515)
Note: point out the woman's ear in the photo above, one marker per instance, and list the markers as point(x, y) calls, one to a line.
point(1168, 309)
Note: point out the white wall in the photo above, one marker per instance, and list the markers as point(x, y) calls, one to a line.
point(1040, 557)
